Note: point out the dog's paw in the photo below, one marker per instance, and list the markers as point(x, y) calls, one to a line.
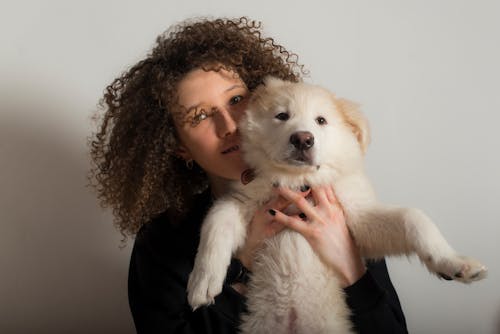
point(456, 267)
point(203, 286)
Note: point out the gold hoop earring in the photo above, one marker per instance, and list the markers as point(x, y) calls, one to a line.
point(189, 164)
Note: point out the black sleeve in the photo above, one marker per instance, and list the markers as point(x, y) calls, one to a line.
point(374, 302)
point(158, 274)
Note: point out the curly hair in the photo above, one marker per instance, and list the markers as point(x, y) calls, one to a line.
point(135, 170)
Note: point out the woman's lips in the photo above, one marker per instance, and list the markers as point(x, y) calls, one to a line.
point(231, 149)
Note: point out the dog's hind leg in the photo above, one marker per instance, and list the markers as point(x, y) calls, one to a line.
point(383, 230)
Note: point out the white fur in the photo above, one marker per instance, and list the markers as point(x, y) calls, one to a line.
point(291, 291)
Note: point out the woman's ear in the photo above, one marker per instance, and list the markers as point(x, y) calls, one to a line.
point(182, 152)
point(356, 120)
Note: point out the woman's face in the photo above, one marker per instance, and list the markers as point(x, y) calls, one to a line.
point(211, 106)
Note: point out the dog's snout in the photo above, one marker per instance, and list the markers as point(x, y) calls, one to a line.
point(302, 140)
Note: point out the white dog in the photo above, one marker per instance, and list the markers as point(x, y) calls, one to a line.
point(296, 134)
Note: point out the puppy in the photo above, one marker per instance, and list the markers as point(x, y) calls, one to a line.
point(296, 134)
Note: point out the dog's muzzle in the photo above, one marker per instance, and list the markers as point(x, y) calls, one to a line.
point(302, 141)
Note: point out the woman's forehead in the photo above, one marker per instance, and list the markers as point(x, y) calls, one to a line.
point(200, 86)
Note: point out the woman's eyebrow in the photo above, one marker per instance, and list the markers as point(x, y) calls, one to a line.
point(234, 87)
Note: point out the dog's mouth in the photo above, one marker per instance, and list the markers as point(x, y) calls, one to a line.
point(233, 148)
point(301, 158)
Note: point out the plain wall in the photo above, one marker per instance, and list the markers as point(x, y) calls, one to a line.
point(425, 72)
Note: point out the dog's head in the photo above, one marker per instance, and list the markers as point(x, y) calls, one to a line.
point(300, 127)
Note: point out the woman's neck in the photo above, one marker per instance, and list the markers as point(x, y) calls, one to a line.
point(218, 185)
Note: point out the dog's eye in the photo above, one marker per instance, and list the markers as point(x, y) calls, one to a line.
point(321, 120)
point(282, 116)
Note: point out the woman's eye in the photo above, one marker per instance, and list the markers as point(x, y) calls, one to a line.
point(198, 117)
point(282, 116)
point(321, 120)
point(235, 99)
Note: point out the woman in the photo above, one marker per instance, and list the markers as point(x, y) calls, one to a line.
point(168, 145)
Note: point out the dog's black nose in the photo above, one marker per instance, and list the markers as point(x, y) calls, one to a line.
point(302, 140)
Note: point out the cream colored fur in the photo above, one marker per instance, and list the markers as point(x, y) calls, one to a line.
point(291, 291)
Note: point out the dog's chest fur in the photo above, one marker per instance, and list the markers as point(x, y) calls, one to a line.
point(289, 282)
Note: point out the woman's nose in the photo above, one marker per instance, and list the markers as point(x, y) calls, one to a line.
point(226, 123)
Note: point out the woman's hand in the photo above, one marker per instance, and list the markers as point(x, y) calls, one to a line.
point(325, 229)
point(263, 226)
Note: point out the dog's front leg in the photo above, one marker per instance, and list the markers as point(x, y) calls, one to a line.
point(383, 230)
point(222, 233)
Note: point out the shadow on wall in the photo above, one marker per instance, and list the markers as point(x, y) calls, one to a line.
point(62, 269)
point(498, 323)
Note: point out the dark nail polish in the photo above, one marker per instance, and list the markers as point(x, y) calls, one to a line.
point(304, 188)
point(276, 184)
point(459, 275)
point(302, 215)
point(272, 212)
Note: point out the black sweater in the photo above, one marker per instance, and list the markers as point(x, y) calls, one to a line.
point(163, 256)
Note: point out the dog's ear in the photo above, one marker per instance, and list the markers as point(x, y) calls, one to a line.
point(356, 120)
point(271, 82)
point(267, 87)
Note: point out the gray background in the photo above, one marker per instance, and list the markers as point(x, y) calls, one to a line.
point(426, 73)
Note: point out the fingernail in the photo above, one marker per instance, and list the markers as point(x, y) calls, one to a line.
point(276, 184)
point(304, 188)
point(459, 275)
point(272, 212)
point(302, 215)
